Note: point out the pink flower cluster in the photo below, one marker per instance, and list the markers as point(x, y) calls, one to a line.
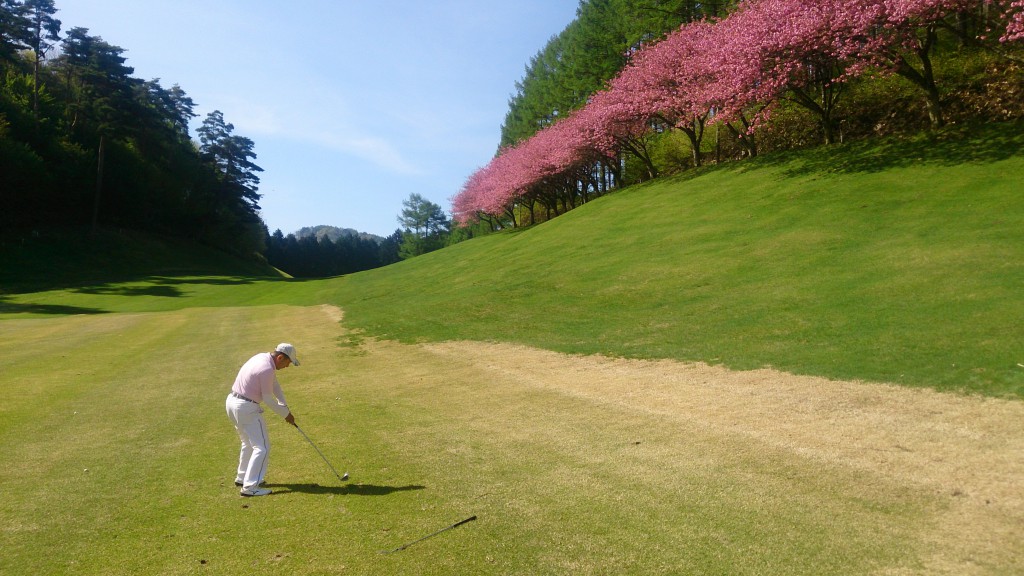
point(714, 72)
point(1015, 27)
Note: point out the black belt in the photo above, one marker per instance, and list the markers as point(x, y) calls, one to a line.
point(237, 395)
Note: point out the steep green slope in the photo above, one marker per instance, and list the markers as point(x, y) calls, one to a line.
point(898, 261)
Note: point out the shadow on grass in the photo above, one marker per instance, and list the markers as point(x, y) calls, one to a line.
point(211, 281)
point(353, 489)
point(163, 286)
point(164, 291)
point(160, 285)
point(950, 146)
point(29, 308)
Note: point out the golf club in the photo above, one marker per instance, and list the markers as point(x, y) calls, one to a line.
point(340, 476)
point(404, 546)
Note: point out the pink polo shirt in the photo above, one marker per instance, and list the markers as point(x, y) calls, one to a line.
point(257, 381)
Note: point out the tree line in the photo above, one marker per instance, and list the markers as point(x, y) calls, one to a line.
point(322, 251)
point(83, 143)
point(629, 90)
point(309, 253)
point(770, 74)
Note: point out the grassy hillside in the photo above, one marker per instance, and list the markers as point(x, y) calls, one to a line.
point(893, 261)
point(896, 261)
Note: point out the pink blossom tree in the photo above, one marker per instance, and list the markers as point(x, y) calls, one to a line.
point(1015, 27)
point(799, 50)
point(529, 171)
point(662, 85)
point(610, 123)
point(731, 72)
point(903, 38)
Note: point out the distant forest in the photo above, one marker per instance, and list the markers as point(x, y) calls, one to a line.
point(322, 251)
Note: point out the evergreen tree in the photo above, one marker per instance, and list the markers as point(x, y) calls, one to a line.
point(232, 156)
point(426, 226)
point(44, 31)
point(14, 24)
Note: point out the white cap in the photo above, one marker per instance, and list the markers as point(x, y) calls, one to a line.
point(289, 351)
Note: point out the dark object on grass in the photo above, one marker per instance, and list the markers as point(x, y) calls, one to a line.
point(340, 477)
point(404, 546)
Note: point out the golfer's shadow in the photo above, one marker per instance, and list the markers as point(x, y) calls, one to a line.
point(349, 489)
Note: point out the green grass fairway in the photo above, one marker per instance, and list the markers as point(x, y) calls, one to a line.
point(810, 364)
point(120, 460)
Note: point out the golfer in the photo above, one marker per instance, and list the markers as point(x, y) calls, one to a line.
point(257, 382)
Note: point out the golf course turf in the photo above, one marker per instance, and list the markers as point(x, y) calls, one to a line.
point(572, 464)
point(794, 367)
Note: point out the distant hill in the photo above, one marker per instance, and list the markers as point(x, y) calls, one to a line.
point(334, 233)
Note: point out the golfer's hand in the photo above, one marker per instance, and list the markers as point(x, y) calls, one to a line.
point(290, 419)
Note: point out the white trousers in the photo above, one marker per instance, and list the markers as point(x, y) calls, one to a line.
point(252, 431)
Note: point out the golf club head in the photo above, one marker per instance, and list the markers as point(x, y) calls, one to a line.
point(344, 476)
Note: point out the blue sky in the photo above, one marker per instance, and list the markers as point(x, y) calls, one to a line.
point(352, 105)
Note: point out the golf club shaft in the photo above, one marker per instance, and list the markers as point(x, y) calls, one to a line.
point(320, 453)
point(456, 525)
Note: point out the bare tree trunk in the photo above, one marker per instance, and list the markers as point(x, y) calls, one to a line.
point(639, 150)
point(35, 90)
point(99, 184)
point(696, 135)
point(925, 78)
point(718, 144)
point(745, 136)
